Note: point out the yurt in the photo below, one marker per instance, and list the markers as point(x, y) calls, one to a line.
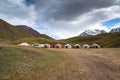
point(86, 46)
point(76, 46)
point(24, 44)
point(51, 45)
point(46, 46)
point(41, 45)
point(62, 45)
point(58, 45)
point(94, 45)
point(67, 46)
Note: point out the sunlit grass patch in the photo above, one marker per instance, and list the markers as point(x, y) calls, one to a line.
point(28, 63)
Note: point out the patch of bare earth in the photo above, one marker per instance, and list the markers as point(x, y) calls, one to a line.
point(91, 64)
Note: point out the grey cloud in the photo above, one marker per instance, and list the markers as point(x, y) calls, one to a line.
point(9, 8)
point(69, 9)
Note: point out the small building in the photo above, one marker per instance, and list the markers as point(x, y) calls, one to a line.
point(58, 46)
point(46, 46)
point(76, 46)
point(86, 46)
point(38, 45)
point(67, 46)
point(94, 45)
point(24, 44)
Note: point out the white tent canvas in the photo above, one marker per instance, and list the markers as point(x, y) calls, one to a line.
point(86, 46)
point(58, 46)
point(67, 46)
point(24, 44)
point(46, 46)
point(76, 46)
point(94, 45)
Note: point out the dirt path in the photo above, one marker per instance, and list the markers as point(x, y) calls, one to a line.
point(85, 65)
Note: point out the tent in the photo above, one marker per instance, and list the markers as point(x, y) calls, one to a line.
point(24, 44)
point(62, 45)
point(58, 46)
point(76, 46)
point(67, 46)
point(86, 46)
point(46, 46)
point(94, 45)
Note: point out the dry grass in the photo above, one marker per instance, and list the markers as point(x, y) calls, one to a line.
point(93, 64)
point(27, 63)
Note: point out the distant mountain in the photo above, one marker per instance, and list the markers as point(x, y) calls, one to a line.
point(28, 30)
point(115, 30)
point(10, 32)
point(92, 32)
point(32, 32)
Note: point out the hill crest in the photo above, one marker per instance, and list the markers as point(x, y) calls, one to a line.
point(10, 32)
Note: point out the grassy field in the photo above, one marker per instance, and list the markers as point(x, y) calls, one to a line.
point(27, 63)
point(23, 63)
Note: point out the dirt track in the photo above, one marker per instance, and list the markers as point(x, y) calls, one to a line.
point(89, 65)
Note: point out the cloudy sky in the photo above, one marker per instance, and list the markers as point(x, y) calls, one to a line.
point(62, 19)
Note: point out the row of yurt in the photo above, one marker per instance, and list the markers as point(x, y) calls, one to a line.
point(52, 45)
point(94, 45)
point(86, 46)
point(57, 46)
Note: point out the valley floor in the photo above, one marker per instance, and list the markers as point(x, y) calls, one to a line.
point(93, 64)
point(17, 63)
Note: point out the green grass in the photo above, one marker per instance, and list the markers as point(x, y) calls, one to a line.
point(104, 40)
point(25, 63)
point(33, 40)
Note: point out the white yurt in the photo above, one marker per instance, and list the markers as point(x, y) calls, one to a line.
point(67, 46)
point(86, 46)
point(94, 45)
point(46, 46)
point(24, 44)
point(41, 45)
point(58, 46)
point(77, 46)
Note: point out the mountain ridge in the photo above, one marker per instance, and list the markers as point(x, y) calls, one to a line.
point(11, 32)
point(92, 32)
point(32, 32)
point(115, 30)
point(97, 31)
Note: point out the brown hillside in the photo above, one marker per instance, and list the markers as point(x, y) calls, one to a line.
point(10, 32)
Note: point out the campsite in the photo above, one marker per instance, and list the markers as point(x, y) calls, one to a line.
point(59, 39)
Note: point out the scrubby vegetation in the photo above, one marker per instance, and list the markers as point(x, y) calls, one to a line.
point(105, 40)
point(25, 63)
